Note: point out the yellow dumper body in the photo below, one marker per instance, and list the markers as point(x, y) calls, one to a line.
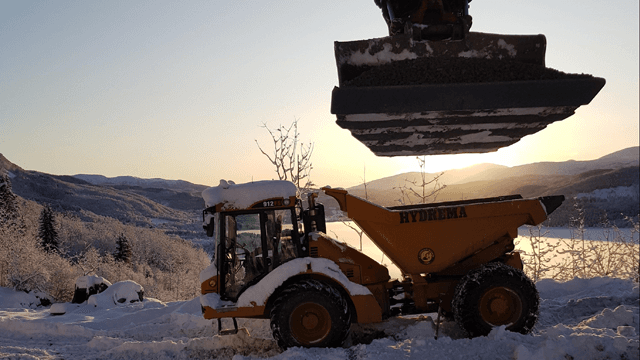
point(450, 231)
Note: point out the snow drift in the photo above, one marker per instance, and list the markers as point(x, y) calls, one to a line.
point(580, 319)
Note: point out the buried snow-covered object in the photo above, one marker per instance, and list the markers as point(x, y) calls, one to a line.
point(401, 96)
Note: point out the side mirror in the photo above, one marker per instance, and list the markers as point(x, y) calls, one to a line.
point(208, 221)
point(210, 228)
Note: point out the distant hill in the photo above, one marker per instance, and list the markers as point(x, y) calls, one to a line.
point(172, 205)
point(8, 166)
point(449, 177)
point(489, 172)
point(624, 158)
point(176, 194)
point(608, 184)
point(133, 181)
point(574, 179)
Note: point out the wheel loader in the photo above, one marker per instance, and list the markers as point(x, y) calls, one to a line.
point(434, 87)
point(273, 260)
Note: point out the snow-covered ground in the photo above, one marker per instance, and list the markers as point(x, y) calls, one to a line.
point(581, 319)
point(611, 193)
point(593, 234)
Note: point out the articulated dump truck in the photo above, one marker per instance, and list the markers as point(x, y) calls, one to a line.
point(273, 260)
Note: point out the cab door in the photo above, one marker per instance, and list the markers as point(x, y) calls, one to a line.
point(254, 244)
point(241, 258)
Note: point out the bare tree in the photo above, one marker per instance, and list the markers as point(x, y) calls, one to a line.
point(632, 242)
point(427, 188)
point(352, 225)
point(364, 182)
point(539, 262)
point(290, 156)
point(357, 229)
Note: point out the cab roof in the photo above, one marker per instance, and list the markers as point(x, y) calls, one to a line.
point(242, 196)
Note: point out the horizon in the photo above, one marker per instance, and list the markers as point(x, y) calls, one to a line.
point(168, 91)
point(334, 185)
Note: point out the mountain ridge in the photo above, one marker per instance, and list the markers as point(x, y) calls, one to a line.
point(182, 185)
point(484, 172)
point(176, 205)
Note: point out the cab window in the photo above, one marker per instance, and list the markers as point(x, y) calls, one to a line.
point(255, 244)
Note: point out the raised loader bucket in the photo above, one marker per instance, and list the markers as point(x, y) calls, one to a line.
point(399, 96)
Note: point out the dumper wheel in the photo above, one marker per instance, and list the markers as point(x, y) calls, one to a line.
point(493, 295)
point(310, 313)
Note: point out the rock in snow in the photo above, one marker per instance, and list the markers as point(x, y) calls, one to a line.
point(88, 285)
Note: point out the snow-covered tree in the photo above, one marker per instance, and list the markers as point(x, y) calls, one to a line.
point(47, 232)
point(89, 262)
point(123, 249)
point(9, 214)
point(11, 227)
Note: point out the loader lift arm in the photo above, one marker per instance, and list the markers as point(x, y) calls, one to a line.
point(439, 19)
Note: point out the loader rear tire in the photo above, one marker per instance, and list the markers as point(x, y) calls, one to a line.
point(494, 295)
point(310, 313)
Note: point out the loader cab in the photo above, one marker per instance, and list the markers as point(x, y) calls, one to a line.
point(253, 240)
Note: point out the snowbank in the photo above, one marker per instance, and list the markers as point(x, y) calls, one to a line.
point(10, 299)
point(120, 293)
point(579, 319)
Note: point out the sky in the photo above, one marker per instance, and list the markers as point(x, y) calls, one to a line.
point(181, 89)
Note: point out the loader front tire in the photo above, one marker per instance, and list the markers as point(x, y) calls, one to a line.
point(494, 295)
point(310, 313)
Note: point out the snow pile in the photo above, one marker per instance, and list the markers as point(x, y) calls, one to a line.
point(120, 293)
point(316, 235)
point(10, 299)
point(209, 272)
point(89, 281)
point(88, 285)
point(242, 196)
point(379, 56)
point(580, 319)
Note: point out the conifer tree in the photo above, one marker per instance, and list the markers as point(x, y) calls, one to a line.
point(9, 215)
point(123, 249)
point(47, 231)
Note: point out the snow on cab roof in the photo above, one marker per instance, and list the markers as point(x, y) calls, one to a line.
point(241, 196)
